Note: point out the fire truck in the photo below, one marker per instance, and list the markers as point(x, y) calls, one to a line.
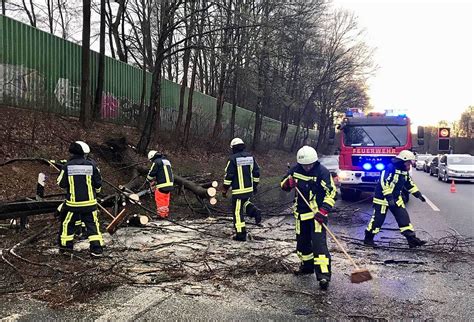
point(368, 142)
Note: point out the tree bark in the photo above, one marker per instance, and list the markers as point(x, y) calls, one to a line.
point(101, 67)
point(85, 117)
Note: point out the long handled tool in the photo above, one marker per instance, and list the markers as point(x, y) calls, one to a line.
point(360, 274)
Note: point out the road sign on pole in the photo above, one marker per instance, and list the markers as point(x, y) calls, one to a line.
point(443, 138)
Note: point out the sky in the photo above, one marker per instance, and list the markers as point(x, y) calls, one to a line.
point(424, 53)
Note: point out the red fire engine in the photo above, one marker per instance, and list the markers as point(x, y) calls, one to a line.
point(367, 145)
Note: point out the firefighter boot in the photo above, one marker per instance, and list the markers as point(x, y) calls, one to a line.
point(305, 269)
point(414, 241)
point(324, 284)
point(369, 239)
point(240, 237)
point(96, 251)
point(258, 217)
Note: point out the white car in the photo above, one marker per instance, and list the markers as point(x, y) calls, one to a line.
point(420, 160)
point(458, 167)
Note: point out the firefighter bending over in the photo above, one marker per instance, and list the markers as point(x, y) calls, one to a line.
point(388, 197)
point(82, 180)
point(242, 174)
point(314, 181)
point(161, 179)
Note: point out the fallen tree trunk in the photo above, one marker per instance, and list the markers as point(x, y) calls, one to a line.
point(197, 189)
point(27, 208)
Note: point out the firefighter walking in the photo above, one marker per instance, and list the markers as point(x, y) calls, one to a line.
point(160, 177)
point(242, 175)
point(316, 184)
point(82, 180)
point(388, 197)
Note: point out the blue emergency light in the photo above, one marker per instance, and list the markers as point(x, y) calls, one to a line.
point(380, 166)
point(367, 166)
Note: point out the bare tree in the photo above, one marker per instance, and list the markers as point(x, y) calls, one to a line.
point(85, 117)
point(101, 63)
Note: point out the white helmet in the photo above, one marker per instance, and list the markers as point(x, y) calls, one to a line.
point(406, 155)
point(236, 141)
point(84, 146)
point(151, 154)
point(306, 155)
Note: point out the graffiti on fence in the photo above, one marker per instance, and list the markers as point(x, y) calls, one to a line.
point(18, 83)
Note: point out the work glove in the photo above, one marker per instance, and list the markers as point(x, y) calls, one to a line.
point(321, 216)
point(290, 183)
point(419, 196)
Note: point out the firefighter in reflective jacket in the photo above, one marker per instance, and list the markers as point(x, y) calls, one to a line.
point(161, 179)
point(242, 174)
point(315, 182)
point(82, 180)
point(388, 197)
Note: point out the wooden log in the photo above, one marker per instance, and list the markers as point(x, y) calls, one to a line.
point(138, 220)
point(211, 191)
point(197, 189)
point(213, 184)
point(213, 201)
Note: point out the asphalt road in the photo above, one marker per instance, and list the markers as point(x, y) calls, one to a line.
point(456, 210)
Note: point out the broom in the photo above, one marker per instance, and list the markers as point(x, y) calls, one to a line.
point(359, 275)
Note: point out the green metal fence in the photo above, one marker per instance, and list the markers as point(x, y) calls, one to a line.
point(41, 71)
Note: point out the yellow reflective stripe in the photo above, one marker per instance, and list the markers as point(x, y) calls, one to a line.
point(97, 190)
point(256, 179)
point(303, 177)
point(238, 223)
point(240, 176)
point(297, 226)
point(60, 177)
point(162, 185)
point(282, 183)
point(64, 236)
point(167, 175)
point(227, 165)
point(323, 263)
point(306, 216)
point(371, 222)
point(400, 202)
point(246, 203)
point(383, 209)
point(89, 187)
point(81, 203)
point(382, 202)
point(241, 191)
point(227, 182)
point(318, 228)
point(305, 258)
point(98, 236)
point(78, 223)
point(409, 227)
point(71, 188)
point(151, 168)
point(330, 192)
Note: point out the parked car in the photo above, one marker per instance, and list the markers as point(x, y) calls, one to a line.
point(459, 167)
point(332, 164)
point(427, 164)
point(433, 170)
point(420, 161)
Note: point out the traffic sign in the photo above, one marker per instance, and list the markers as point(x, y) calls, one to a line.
point(444, 132)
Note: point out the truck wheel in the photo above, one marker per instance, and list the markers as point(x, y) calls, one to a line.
point(348, 194)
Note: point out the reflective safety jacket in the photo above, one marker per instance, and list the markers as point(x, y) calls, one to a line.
point(161, 172)
point(242, 173)
point(317, 186)
point(82, 180)
point(392, 180)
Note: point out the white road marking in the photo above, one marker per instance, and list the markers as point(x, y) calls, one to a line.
point(432, 205)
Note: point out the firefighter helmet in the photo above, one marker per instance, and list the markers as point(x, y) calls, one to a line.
point(406, 155)
point(236, 141)
point(306, 155)
point(79, 148)
point(151, 154)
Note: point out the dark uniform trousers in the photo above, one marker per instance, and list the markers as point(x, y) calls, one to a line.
point(241, 206)
point(400, 214)
point(68, 227)
point(311, 247)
